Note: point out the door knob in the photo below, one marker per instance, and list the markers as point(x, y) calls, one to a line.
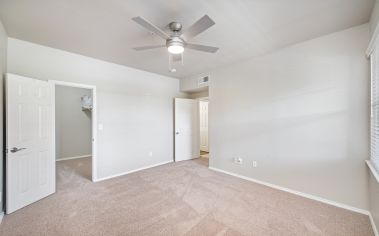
point(13, 150)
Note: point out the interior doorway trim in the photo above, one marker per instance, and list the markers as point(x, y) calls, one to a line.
point(206, 99)
point(94, 119)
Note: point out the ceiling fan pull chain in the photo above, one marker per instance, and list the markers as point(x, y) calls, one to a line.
point(170, 63)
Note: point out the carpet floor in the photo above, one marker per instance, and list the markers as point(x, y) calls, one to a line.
point(204, 154)
point(184, 198)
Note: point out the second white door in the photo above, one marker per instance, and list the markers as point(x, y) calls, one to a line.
point(186, 129)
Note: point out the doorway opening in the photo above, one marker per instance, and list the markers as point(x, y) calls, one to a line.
point(75, 132)
point(191, 139)
point(31, 138)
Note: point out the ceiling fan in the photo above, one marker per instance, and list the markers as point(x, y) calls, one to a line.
point(177, 40)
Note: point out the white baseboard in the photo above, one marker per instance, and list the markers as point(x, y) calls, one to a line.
point(323, 200)
point(374, 228)
point(76, 157)
point(132, 171)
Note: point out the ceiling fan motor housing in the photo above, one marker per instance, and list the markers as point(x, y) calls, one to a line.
point(175, 41)
point(175, 26)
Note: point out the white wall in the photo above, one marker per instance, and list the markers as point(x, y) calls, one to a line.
point(3, 68)
point(302, 113)
point(135, 107)
point(72, 125)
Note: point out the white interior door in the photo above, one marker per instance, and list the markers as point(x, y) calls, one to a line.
point(30, 160)
point(204, 126)
point(186, 129)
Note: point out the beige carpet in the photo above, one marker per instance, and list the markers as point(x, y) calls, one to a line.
point(184, 198)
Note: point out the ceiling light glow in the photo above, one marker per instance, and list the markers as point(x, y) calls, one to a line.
point(175, 49)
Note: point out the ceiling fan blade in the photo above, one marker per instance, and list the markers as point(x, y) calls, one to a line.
point(198, 27)
point(203, 48)
point(148, 47)
point(150, 27)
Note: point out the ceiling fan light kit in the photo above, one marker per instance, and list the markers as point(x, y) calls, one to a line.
point(175, 45)
point(175, 49)
point(176, 41)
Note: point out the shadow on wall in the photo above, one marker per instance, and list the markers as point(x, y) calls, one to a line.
point(307, 138)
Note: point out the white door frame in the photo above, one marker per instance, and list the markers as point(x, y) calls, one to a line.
point(94, 120)
point(200, 124)
point(206, 99)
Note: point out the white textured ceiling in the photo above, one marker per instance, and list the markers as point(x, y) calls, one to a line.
point(244, 28)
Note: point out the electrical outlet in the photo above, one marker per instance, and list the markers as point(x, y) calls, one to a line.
point(255, 164)
point(150, 154)
point(238, 160)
